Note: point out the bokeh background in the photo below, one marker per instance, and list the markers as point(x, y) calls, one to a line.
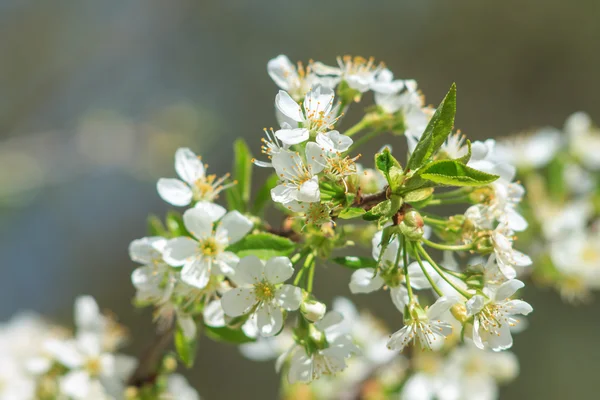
point(95, 96)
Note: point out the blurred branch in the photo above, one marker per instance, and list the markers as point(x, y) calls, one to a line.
point(150, 360)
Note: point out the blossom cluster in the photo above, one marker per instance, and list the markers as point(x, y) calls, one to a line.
point(42, 361)
point(560, 169)
point(231, 274)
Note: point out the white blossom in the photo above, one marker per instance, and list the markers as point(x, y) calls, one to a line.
point(194, 184)
point(298, 179)
point(426, 327)
point(494, 313)
point(330, 359)
point(317, 115)
point(260, 292)
point(154, 280)
point(360, 73)
point(296, 80)
point(205, 252)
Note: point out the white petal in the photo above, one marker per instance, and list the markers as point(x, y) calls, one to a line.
point(188, 166)
point(278, 269)
point(475, 304)
point(289, 297)
point(215, 211)
point(198, 222)
point(196, 273)
point(507, 289)
point(249, 271)
point(269, 319)
point(180, 250)
point(87, 313)
point(441, 305)
point(281, 70)
point(334, 142)
point(214, 315)
point(238, 301)
point(363, 281)
point(293, 136)
point(501, 341)
point(147, 250)
point(76, 384)
point(518, 307)
point(516, 222)
point(309, 191)
point(315, 158)
point(236, 225)
point(400, 339)
point(399, 295)
point(288, 107)
point(65, 352)
point(520, 259)
point(477, 339)
point(226, 263)
point(174, 192)
point(301, 368)
point(284, 194)
point(329, 321)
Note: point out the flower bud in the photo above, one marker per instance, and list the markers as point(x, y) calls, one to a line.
point(413, 218)
point(313, 310)
point(169, 364)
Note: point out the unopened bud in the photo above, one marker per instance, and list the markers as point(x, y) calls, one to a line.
point(411, 232)
point(313, 310)
point(131, 393)
point(169, 364)
point(413, 218)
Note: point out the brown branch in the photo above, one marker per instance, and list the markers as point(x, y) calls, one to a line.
point(370, 200)
point(150, 361)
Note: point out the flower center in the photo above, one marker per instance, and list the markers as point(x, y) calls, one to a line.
point(590, 254)
point(264, 291)
point(209, 247)
point(93, 366)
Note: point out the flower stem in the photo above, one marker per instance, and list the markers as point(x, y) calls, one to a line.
point(449, 247)
point(440, 271)
point(364, 139)
point(406, 277)
point(435, 221)
point(360, 125)
point(429, 278)
point(454, 200)
point(307, 263)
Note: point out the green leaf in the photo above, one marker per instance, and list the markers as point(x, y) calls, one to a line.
point(227, 335)
point(175, 224)
point(263, 245)
point(156, 227)
point(185, 347)
point(418, 195)
point(263, 196)
point(465, 159)
point(238, 196)
point(352, 212)
point(390, 167)
point(353, 262)
point(382, 209)
point(454, 173)
point(436, 132)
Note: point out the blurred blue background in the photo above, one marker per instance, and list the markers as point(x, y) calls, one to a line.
point(95, 96)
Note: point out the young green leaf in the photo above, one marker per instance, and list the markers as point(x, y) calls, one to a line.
point(156, 227)
point(227, 335)
point(263, 245)
point(390, 167)
point(418, 195)
point(352, 212)
point(356, 262)
point(185, 347)
point(454, 173)
point(382, 209)
point(436, 132)
point(465, 159)
point(238, 196)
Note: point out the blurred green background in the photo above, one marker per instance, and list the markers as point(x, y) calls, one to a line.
point(95, 96)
